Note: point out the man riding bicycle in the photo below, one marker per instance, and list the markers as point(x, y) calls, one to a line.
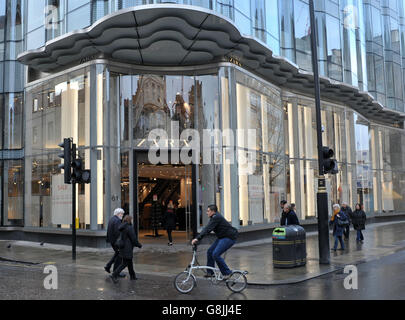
point(226, 235)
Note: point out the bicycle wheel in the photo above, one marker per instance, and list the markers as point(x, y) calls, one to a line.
point(237, 282)
point(184, 282)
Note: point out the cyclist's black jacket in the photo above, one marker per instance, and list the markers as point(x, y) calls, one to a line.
point(220, 226)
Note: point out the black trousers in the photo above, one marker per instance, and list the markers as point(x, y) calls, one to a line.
point(346, 232)
point(125, 263)
point(116, 260)
point(169, 234)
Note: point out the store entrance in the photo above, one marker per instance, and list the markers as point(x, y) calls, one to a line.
point(161, 188)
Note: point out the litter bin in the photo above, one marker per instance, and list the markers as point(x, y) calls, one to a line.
point(289, 247)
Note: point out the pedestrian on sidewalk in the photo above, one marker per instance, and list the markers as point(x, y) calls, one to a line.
point(359, 222)
point(170, 221)
point(282, 203)
point(112, 236)
point(349, 213)
point(126, 243)
point(288, 216)
point(338, 221)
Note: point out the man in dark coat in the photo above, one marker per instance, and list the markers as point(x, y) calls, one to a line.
point(349, 214)
point(282, 204)
point(112, 236)
point(128, 242)
point(226, 235)
point(289, 217)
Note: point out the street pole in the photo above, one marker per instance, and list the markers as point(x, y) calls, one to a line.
point(322, 196)
point(73, 208)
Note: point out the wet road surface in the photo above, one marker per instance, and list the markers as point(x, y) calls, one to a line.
point(379, 279)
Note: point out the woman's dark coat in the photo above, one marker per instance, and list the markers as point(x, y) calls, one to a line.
point(289, 218)
point(338, 231)
point(170, 219)
point(129, 240)
point(359, 220)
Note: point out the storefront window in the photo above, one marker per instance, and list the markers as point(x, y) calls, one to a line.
point(208, 118)
point(13, 193)
point(393, 157)
point(13, 120)
point(364, 173)
point(57, 109)
point(142, 103)
point(262, 187)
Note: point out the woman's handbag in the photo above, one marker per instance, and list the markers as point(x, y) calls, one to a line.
point(342, 223)
point(120, 242)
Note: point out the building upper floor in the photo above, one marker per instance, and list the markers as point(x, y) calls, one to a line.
point(361, 43)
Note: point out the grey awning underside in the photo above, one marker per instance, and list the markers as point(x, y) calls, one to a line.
point(179, 35)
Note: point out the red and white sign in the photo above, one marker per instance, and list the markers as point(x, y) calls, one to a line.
point(61, 201)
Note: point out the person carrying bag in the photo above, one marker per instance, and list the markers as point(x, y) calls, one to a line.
point(126, 243)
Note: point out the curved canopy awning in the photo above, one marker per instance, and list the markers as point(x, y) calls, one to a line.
point(181, 35)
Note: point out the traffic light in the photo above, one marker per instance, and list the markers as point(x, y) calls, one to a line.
point(329, 165)
point(67, 157)
point(79, 175)
point(77, 166)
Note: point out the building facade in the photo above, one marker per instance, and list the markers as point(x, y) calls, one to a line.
point(109, 72)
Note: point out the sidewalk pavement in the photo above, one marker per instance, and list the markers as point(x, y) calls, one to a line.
point(256, 257)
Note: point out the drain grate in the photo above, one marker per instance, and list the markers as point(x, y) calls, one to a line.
point(17, 261)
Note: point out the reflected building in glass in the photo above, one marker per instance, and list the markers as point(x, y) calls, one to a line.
point(113, 73)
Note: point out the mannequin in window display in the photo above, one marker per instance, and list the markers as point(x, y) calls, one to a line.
point(156, 218)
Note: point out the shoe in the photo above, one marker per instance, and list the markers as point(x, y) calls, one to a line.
point(122, 275)
point(226, 277)
point(208, 275)
point(333, 250)
point(170, 244)
point(341, 249)
point(133, 278)
point(114, 279)
point(107, 270)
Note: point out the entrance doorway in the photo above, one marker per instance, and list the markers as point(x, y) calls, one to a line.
point(157, 188)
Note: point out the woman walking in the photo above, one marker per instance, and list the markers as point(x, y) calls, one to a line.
point(126, 243)
point(338, 220)
point(359, 222)
point(170, 221)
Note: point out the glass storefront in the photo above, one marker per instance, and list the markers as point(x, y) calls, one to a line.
point(110, 112)
point(259, 108)
point(13, 192)
point(55, 110)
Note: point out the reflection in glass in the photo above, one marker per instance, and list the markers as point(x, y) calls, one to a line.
point(56, 109)
point(13, 202)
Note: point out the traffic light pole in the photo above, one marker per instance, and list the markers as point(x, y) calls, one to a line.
point(74, 209)
point(322, 196)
